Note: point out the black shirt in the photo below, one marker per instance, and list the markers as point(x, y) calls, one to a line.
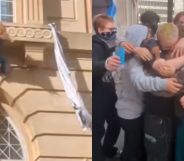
point(100, 53)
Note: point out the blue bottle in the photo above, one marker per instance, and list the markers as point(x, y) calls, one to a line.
point(120, 51)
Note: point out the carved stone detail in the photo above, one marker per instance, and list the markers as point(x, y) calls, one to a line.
point(42, 34)
point(30, 33)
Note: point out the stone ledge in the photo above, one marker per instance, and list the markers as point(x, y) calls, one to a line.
point(56, 124)
point(20, 80)
point(63, 159)
point(43, 34)
point(64, 147)
point(29, 33)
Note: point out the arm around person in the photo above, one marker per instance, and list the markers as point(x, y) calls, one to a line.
point(147, 83)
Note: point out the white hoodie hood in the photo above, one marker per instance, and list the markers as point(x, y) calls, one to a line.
point(135, 34)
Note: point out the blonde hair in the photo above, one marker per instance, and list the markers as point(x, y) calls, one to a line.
point(2, 28)
point(167, 31)
point(3, 32)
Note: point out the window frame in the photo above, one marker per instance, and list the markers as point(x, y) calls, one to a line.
point(18, 135)
point(13, 15)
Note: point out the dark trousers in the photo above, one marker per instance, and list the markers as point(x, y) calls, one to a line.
point(179, 155)
point(159, 138)
point(180, 140)
point(159, 126)
point(104, 111)
point(3, 65)
point(134, 140)
point(111, 133)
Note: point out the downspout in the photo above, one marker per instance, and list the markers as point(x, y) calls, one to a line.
point(170, 6)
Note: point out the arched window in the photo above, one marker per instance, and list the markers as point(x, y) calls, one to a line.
point(10, 142)
point(6, 10)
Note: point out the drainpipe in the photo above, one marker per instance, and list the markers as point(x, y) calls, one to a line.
point(170, 7)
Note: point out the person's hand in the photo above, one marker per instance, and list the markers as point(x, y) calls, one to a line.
point(173, 86)
point(4, 36)
point(143, 54)
point(156, 52)
point(182, 101)
point(163, 68)
point(129, 48)
point(112, 63)
point(178, 49)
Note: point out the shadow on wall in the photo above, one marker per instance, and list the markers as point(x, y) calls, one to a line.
point(30, 77)
point(83, 77)
point(53, 14)
point(40, 78)
point(72, 59)
point(27, 74)
point(34, 78)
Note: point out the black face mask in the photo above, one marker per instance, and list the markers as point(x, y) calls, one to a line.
point(109, 36)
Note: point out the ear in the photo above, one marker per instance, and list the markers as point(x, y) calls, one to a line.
point(99, 30)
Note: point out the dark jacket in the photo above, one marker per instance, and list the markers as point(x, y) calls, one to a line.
point(100, 53)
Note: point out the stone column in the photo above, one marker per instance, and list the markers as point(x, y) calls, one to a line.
point(33, 10)
point(31, 29)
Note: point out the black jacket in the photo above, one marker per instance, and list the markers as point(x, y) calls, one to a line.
point(100, 53)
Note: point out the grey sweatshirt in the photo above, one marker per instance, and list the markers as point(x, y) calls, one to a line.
point(131, 80)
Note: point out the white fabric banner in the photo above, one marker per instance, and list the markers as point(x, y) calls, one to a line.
point(82, 114)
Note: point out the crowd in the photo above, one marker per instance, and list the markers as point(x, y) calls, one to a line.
point(144, 96)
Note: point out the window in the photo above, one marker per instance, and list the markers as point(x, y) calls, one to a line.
point(10, 145)
point(6, 10)
point(158, 6)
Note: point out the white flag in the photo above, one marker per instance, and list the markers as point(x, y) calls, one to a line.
point(83, 115)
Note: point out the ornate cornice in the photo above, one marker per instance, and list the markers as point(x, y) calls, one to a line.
point(29, 33)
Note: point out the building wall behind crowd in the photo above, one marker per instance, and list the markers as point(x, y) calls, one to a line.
point(123, 17)
point(178, 6)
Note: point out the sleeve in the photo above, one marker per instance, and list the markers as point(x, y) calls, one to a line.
point(98, 60)
point(142, 81)
point(149, 44)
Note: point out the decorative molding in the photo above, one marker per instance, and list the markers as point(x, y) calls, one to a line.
point(88, 4)
point(25, 33)
point(74, 6)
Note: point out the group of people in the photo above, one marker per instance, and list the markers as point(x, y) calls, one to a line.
point(144, 96)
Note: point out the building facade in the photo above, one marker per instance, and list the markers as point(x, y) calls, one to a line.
point(37, 121)
point(127, 12)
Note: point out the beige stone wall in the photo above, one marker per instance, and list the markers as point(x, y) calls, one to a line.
point(71, 15)
point(52, 127)
point(32, 94)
